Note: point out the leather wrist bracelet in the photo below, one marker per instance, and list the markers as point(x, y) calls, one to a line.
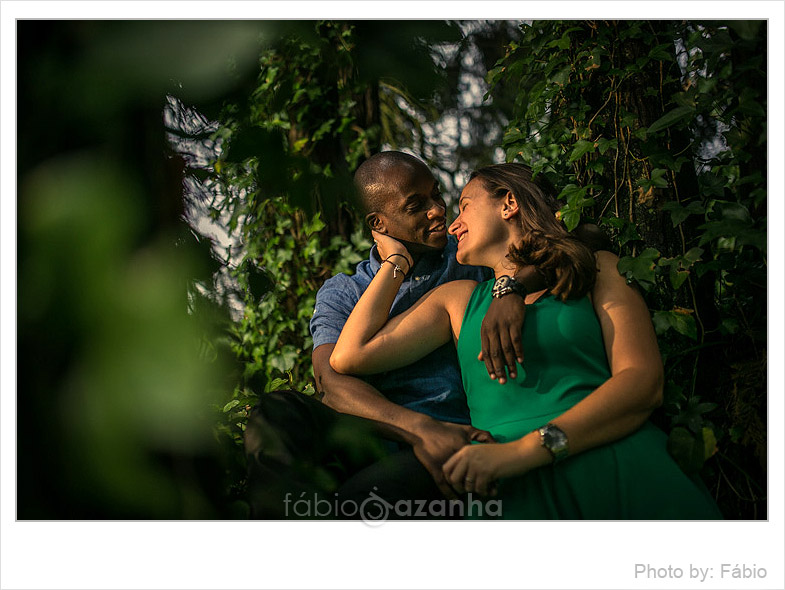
point(409, 262)
point(396, 268)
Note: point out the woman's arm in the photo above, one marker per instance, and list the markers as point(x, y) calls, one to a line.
point(615, 409)
point(369, 343)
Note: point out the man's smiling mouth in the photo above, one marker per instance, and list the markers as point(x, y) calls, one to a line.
point(438, 228)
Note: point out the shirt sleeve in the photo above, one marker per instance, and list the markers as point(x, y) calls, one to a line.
point(334, 302)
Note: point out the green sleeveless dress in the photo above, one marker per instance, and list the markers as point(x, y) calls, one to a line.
point(564, 361)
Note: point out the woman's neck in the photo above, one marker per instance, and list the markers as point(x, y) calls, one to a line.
point(503, 265)
point(502, 269)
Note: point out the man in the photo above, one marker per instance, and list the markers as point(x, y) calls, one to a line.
point(422, 406)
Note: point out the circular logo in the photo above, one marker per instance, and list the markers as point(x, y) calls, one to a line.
point(374, 510)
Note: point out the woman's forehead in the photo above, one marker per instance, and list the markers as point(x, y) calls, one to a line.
point(473, 188)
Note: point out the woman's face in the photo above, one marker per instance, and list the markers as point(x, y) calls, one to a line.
point(479, 225)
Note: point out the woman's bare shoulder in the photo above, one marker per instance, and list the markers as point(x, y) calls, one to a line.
point(606, 260)
point(453, 296)
point(460, 287)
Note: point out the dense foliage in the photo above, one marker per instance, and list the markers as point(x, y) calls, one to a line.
point(657, 132)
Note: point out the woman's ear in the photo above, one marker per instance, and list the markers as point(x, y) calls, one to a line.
point(376, 223)
point(510, 206)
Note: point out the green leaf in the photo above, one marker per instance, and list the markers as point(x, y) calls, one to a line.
point(746, 29)
point(570, 217)
point(693, 255)
point(709, 442)
point(664, 52)
point(581, 148)
point(629, 233)
point(605, 144)
point(680, 322)
point(275, 384)
point(657, 178)
point(232, 404)
point(684, 324)
point(686, 449)
point(670, 118)
point(286, 358)
point(641, 267)
point(679, 213)
point(562, 76)
point(678, 276)
point(712, 184)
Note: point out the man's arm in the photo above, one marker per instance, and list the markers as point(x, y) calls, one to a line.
point(433, 441)
point(351, 395)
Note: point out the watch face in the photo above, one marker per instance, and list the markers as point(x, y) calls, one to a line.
point(554, 438)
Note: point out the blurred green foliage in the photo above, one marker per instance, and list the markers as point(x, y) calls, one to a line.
point(657, 132)
point(116, 378)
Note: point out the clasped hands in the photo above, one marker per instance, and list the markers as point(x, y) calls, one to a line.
point(458, 466)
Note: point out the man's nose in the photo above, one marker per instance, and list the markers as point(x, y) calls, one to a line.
point(437, 210)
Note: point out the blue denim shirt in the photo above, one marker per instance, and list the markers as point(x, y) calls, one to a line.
point(431, 385)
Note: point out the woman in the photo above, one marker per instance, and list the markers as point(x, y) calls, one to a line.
point(592, 371)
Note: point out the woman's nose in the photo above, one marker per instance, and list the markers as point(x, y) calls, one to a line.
point(454, 226)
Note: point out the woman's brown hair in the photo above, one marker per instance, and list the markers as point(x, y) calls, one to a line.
point(567, 263)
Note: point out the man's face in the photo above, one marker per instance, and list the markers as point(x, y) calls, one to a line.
point(415, 211)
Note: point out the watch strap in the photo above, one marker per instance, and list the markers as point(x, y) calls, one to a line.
point(505, 285)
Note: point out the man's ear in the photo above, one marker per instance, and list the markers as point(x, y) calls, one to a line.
point(510, 206)
point(376, 223)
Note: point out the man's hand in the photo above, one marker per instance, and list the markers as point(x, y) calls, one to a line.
point(438, 441)
point(501, 336)
point(502, 327)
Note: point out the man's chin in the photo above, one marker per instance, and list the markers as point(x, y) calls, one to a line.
point(432, 245)
point(438, 242)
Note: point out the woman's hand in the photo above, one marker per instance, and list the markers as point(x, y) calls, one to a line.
point(475, 468)
point(387, 246)
point(437, 441)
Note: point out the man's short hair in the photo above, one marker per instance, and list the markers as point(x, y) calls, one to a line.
point(375, 182)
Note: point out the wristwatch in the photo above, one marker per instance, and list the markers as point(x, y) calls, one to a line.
point(505, 285)
point(553, 438)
